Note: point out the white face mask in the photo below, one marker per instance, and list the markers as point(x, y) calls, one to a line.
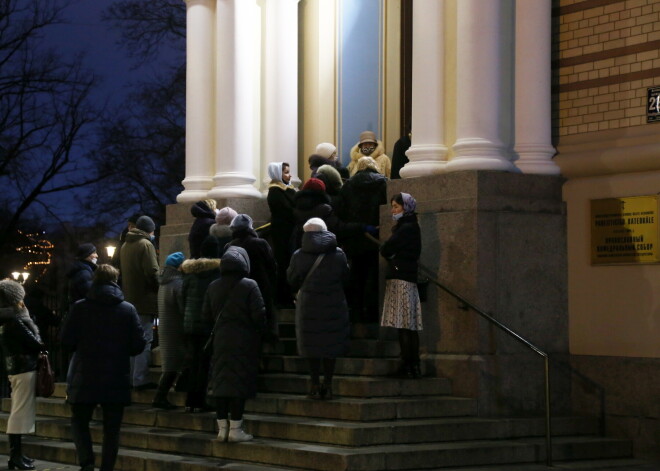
point(94, 260)
point(396, 217)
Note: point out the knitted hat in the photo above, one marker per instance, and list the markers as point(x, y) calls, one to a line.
point(133, 218)
point(225, 216)
point(84, 251)
point(325, 149)
point(146, 224)
point(11, 293)
point(315, 225)
point(367, 136)
point(314, 184)
point(241, 221)
point(174, 259)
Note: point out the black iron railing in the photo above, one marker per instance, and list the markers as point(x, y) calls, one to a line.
point(465, 304)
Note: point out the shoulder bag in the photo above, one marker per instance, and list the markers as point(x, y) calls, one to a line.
point(45, 376)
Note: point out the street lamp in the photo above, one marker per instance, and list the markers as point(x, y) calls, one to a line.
point(20, 277)
point(111, 250)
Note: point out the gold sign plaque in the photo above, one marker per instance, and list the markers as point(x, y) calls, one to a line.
point(624, 230)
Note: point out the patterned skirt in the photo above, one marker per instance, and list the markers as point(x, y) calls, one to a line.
point(401, 308)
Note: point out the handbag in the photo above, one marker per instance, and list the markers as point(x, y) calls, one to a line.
point(311, 270)
point(45, 376)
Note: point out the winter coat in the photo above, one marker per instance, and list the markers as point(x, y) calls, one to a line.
point(103, 331)
point(139, 272)
point(80, 279)
point(359, 201)
point(170, 315)
point(237, 338)
point(315, 204)
point(382, 160)
point(403, 249)
point(263, 268)
point(399, 158)
point(204, 219)
point(322, 323)
point(280, 202)
point(197, 276)
point(19, 340)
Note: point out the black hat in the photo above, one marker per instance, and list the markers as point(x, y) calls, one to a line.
point(134, 217)
point(85, 250)
point(146, 224)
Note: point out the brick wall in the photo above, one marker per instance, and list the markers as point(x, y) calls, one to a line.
point(606, 53)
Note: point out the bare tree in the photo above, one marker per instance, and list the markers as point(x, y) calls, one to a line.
point(148, 27)
point(141, 143)
point(45, 111)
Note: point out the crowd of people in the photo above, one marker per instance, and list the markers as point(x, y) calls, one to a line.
point(218, 308)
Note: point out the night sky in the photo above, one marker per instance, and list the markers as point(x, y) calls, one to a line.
point(85, 32)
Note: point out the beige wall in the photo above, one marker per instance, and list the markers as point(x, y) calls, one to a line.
point(606, 55)
point(605, 58)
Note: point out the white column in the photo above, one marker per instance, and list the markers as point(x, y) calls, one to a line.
point(533, 88)
point(479, 100)
point(428, 152)
point(281, 84)
point(200, 76)
point(234, 116)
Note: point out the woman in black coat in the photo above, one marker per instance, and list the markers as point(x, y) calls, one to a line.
point(204, 214)
point(359, 201)
point(319, 270)
point(234, 304)
point(20, 343)
point(280, 203)
point(263, 268)
point(103, 331)
point(313, 202)
point(401, 307)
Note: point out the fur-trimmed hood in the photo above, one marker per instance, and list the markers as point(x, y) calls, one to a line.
point(200, 265)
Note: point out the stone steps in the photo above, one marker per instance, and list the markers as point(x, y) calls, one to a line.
point(324, 457)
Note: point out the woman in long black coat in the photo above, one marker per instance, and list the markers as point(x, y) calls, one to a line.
point(280, 203)
point(322, 324)
point(20, 344)
point(204, 214)
point(103, 331)
point(233, 302)
point(262, 266)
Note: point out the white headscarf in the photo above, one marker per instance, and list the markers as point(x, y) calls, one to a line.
point(275, 172)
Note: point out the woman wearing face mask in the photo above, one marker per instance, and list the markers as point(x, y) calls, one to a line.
point(81, 272)
point(282, 221)
point(401, 308)
point(369, 146)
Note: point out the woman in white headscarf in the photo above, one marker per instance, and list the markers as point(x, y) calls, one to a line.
point(401, 307)
point(282, 221)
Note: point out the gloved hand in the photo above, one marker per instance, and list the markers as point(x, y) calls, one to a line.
point(371, 230)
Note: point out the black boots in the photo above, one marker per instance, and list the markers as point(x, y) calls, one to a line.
point(16, 458)
point(160, 399)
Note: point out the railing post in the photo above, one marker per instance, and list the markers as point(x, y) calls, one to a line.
point(548, 436)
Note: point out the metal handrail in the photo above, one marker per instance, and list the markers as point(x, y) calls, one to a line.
point(519, 338)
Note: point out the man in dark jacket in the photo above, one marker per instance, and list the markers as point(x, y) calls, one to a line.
point(359, 201)
point(103, 331)
point(81, 272)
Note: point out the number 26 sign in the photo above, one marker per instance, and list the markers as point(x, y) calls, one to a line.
point(653, 105)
